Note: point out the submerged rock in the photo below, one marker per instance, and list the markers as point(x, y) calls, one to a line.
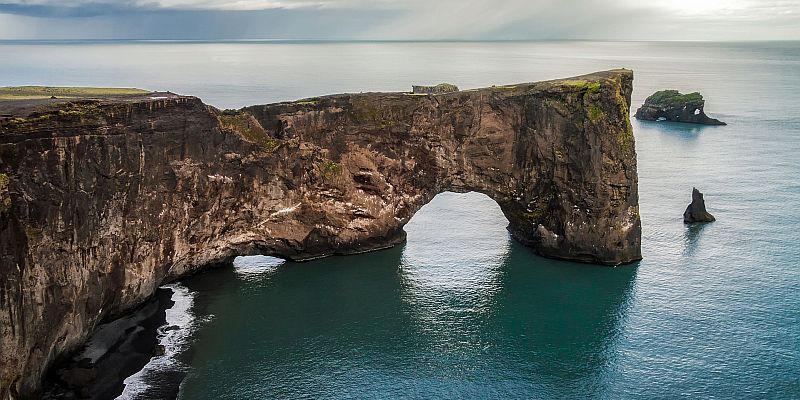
point(104, 200)
point(671, 105)
point(696, 211)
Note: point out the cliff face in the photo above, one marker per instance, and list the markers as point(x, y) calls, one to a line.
point(104, 201)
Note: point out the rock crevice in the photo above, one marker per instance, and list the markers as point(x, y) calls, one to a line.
point(107, 200)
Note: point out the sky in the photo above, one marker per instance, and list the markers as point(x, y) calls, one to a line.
point(401, 20)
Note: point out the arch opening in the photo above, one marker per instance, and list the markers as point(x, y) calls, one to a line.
point(251, 265)
point(452, 264)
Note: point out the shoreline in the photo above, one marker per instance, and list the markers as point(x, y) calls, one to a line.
point(116, 360)
point(162, 376)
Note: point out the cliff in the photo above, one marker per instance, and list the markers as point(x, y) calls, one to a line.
point(105, 200)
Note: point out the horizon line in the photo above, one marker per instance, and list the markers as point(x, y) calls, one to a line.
point(302, 40)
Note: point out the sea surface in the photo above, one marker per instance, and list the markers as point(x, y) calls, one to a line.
point(461, 310)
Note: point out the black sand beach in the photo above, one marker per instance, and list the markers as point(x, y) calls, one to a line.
point(117, 350)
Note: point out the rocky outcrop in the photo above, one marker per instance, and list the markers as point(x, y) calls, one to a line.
point(696, 211)
point(441, 88)
point(109, 199)
point(671, 105)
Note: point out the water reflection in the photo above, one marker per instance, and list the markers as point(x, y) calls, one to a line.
point(450, 268)
point(486, 303)
point(560, 323)
point(461, 310)
point(691, 237)
point(678, 130)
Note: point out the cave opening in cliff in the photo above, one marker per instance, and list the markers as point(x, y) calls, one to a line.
point(459, 230)
point(256, 264)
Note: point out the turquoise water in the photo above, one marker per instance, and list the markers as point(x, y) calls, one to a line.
point(463, 311)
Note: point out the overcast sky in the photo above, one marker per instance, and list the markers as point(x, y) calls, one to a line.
point(401, 20)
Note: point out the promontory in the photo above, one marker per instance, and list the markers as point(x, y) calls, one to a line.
point(105, 198)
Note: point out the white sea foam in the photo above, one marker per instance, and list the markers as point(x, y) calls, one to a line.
point(181, 316)
point(173, 340)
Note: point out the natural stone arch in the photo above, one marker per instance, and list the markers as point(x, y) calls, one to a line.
point(103, 201)
point(557, 156)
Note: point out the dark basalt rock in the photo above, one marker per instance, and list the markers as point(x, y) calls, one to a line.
point(103, 200)
point(671, 105)
point(696, 211)
point(115, 350)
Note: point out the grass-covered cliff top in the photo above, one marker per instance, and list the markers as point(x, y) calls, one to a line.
point(45, 92)
point(674, 98)
point(437, 89)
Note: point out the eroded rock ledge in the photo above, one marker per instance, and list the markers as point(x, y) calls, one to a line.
point(105, 200)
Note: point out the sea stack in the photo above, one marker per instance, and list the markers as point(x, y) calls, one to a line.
point(696, 211)
point(671, 105)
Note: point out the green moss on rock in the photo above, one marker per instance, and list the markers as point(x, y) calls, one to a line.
point(591, 87)
point(674, 98)
point(249, 128)
point(32, 233)
point(625, 139)
point(5, 197)
point(330, 167)
point(558, 105)
point(438, 89)
point(331, 174)
point(540, 209)
point(313, 101)
point(370, 113)
point(595, 112)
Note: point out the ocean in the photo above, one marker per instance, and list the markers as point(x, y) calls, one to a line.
point(461, 310)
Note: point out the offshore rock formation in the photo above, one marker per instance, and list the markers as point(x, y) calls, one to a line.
point(105, 200)
point(696, 211)
point(671, 105)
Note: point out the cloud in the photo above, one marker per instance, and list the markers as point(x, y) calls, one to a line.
point(511, 19)
point(109, 7)
point(408, 19)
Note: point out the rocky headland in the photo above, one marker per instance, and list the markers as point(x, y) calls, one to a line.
point(671, 105)
point(102, 200)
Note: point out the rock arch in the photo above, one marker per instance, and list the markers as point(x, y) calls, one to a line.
point(104, 200)
point(558, 157)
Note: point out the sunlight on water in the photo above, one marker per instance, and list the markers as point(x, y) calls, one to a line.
point(449, 279)
point(254, 266)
